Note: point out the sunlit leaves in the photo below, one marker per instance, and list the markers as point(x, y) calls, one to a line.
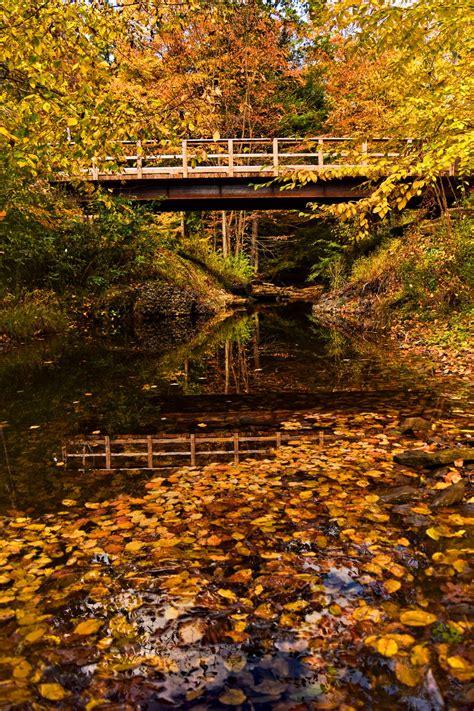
point(87, 627)
point(52, 692)
point(387, 647)
point(405, 73)
point(232, 697)
point(417, 618)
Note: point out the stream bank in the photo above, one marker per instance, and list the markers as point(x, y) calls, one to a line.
point(414, 284)
point(175, 303)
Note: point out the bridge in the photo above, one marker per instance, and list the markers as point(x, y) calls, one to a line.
point(239, 173)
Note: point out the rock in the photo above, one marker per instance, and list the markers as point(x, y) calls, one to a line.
point(410, 519)
point(414, 425)
point(399, 494)
point(433, 691)
point(441, 472)
point(162, 300)
point(434, 460)
point(452, 495)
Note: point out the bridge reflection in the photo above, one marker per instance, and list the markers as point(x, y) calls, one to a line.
point(151, 452)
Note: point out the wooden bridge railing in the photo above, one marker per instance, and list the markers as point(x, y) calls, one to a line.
point(242, 157)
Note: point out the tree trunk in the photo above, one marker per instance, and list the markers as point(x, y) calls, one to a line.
point(254, 243)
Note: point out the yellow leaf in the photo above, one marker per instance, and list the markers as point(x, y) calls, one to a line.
point(22, 669)
point(69, 502)
point(420, 655)
point(134, 546)
point(52, 692)
point(90, 626)
point(406, 674)
point(392, 586)
point(297, 605)
point(232, 697)
point(228, 594)
point(364, 612)
point(403, 640)
point(417, 618)
point(387, 647)
point(35, 634)
point(457, 663)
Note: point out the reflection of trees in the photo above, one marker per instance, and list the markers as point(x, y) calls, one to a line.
point(240, 356)
point(225, 353)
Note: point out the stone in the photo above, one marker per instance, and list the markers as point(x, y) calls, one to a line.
point(415, 425)
point(399, 494)
point(434, 460)
point(450, 496)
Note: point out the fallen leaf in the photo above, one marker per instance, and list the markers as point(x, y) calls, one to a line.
point(386, 646)
point(407, 675)
point(232, 697)
point(392, 586)
point(417, 618)
point(90, 626)
point(52, 692)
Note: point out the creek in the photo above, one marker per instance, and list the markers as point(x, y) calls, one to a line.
point(319, 576)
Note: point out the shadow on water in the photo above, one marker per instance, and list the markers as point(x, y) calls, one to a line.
point(248, 374)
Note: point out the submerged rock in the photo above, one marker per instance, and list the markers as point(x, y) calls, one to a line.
point(434, 460)
point(452, 495)
point(399, 494)
point(414, 425)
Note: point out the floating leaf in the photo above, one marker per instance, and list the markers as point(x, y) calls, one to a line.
point(52, 692)
point(386, 646)
point(457, 663)
point(228, 594)
point(192, 631)
point(407, 675)
point(417, 618)
point(232, 697)
point(420, 655)
point(392, 586)
point(297, 605)
point(90, 626)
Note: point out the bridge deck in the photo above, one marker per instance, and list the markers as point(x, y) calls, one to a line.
point(225, 173)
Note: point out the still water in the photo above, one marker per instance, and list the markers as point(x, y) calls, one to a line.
point(281, 584)
point(247, 374)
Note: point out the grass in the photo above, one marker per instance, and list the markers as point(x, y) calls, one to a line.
point(429, 270)
point(34, 314)
point(229, 271)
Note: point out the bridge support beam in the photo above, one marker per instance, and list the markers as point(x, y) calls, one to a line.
point(185, 195)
